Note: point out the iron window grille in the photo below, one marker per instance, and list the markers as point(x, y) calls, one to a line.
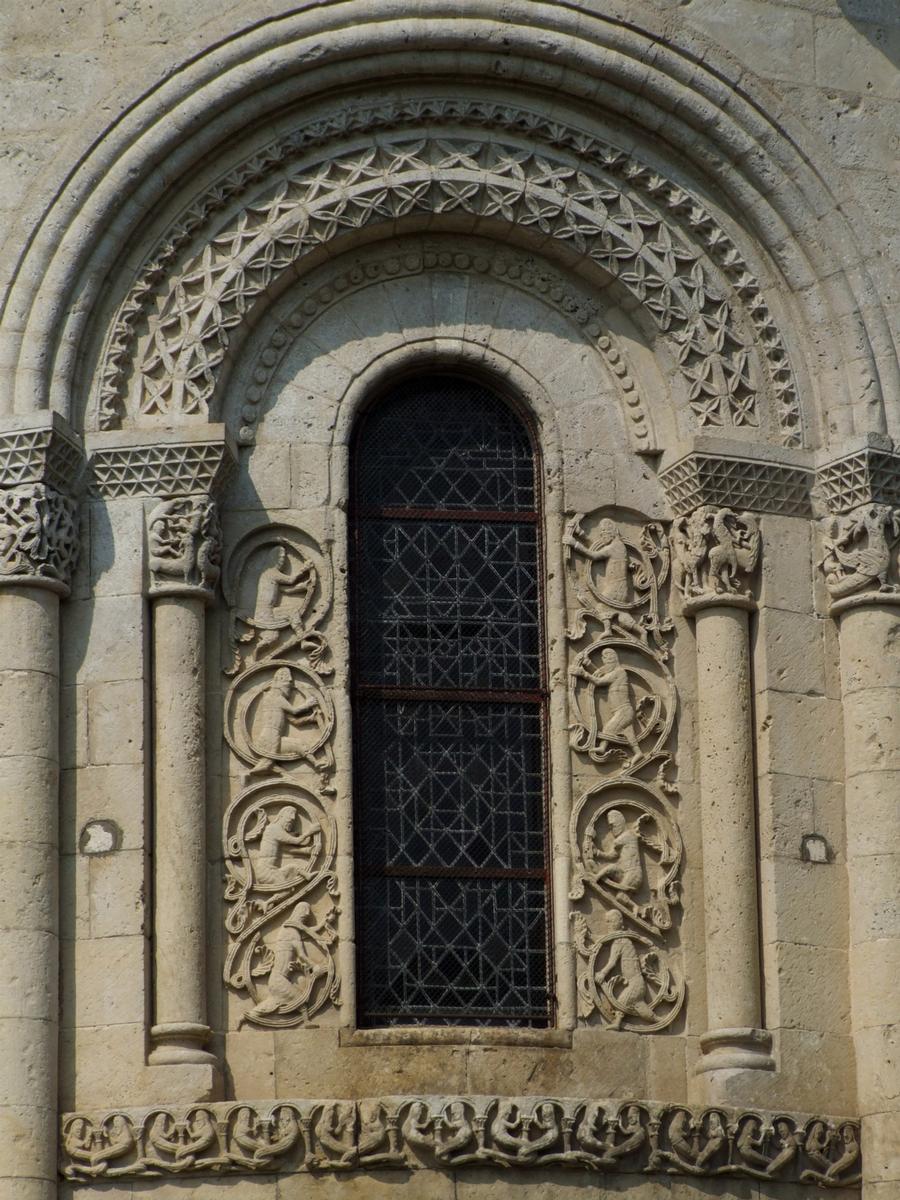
point(449, 694)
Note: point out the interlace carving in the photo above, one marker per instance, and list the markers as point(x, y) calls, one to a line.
point(279, 833)
point(860, 552)
point(185, 546)
point(447, 1132)
point(597, 217)
point(38, 536)
point(625, 843)
point(715, 552)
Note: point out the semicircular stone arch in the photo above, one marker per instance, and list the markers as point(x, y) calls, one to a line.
point(435, 162)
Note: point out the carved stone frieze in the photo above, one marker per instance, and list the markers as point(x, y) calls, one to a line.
point(728, 481)
point(279, 832)
point(715, 553)
point(596, 208)
point(625, 844)
point(447, 1132)
point(184, 544)
point(161, 469)
point(38, 536)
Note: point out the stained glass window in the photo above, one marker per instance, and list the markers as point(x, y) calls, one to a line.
point(452, 904)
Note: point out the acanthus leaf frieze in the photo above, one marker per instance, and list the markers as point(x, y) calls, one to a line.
point(449, 1132)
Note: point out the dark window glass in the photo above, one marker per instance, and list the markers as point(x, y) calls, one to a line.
point(448, 683)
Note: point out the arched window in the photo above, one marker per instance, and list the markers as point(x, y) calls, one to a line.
point(449, 692)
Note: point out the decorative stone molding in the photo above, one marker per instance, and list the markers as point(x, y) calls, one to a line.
point(730, 481)
point(715, 553)
point(516, 269)
point(184, 545)
point(161, 469)
point(870, 475)
point(43, 455)
point(601, 216)
point(38, 537)
point(280, 834)
point(625, 843)
point(447, 1132)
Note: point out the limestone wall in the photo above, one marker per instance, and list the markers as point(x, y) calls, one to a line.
point(667, 231)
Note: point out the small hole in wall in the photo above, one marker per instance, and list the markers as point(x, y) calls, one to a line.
point(815, 849)
point(100, 837)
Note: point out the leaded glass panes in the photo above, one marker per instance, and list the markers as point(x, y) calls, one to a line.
point(448, 681)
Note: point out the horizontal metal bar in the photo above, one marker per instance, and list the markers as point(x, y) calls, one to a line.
point(460, 872)
point(461, 1013)
point(446, 514)
point(378, 691)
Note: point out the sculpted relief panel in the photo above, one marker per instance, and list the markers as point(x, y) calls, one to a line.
point(280, 837)
point(458, 1131)
point(624, 839)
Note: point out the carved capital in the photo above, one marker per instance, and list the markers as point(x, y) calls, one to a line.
point(715, 552)
point(38, 537)
point(860, 557)
point(184, 544)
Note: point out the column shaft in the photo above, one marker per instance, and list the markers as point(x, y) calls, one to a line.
point(29, 901)
point(179, 830)
point(728, 820)
point(870, 677)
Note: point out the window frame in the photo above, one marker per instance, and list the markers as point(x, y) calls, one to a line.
point(547, 1032)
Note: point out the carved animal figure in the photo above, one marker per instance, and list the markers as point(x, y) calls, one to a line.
point(735, 549)
point(862, 551)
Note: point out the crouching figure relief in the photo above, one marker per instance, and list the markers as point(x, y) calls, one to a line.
point(279, 831)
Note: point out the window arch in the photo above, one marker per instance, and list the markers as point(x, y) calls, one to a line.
point(449, 693)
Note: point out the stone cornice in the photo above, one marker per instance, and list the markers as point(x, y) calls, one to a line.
point(170, 463)
point(447, 1132)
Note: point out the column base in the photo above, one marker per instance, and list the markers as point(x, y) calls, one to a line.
point(180, 1042)
point(735, 1049)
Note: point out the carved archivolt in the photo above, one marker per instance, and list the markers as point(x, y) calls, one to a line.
point(593, 207)
point(609, 1136)
point(515, 269)
point(280, 837)
point(625, 844)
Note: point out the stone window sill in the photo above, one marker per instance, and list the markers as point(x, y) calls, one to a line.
point(418, 1035)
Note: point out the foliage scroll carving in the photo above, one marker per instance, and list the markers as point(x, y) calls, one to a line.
point(279, 832)
point(447, 1132)
point(624, 839)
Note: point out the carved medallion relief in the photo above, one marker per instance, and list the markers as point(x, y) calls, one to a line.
point(279, 832)
point(625, 843)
